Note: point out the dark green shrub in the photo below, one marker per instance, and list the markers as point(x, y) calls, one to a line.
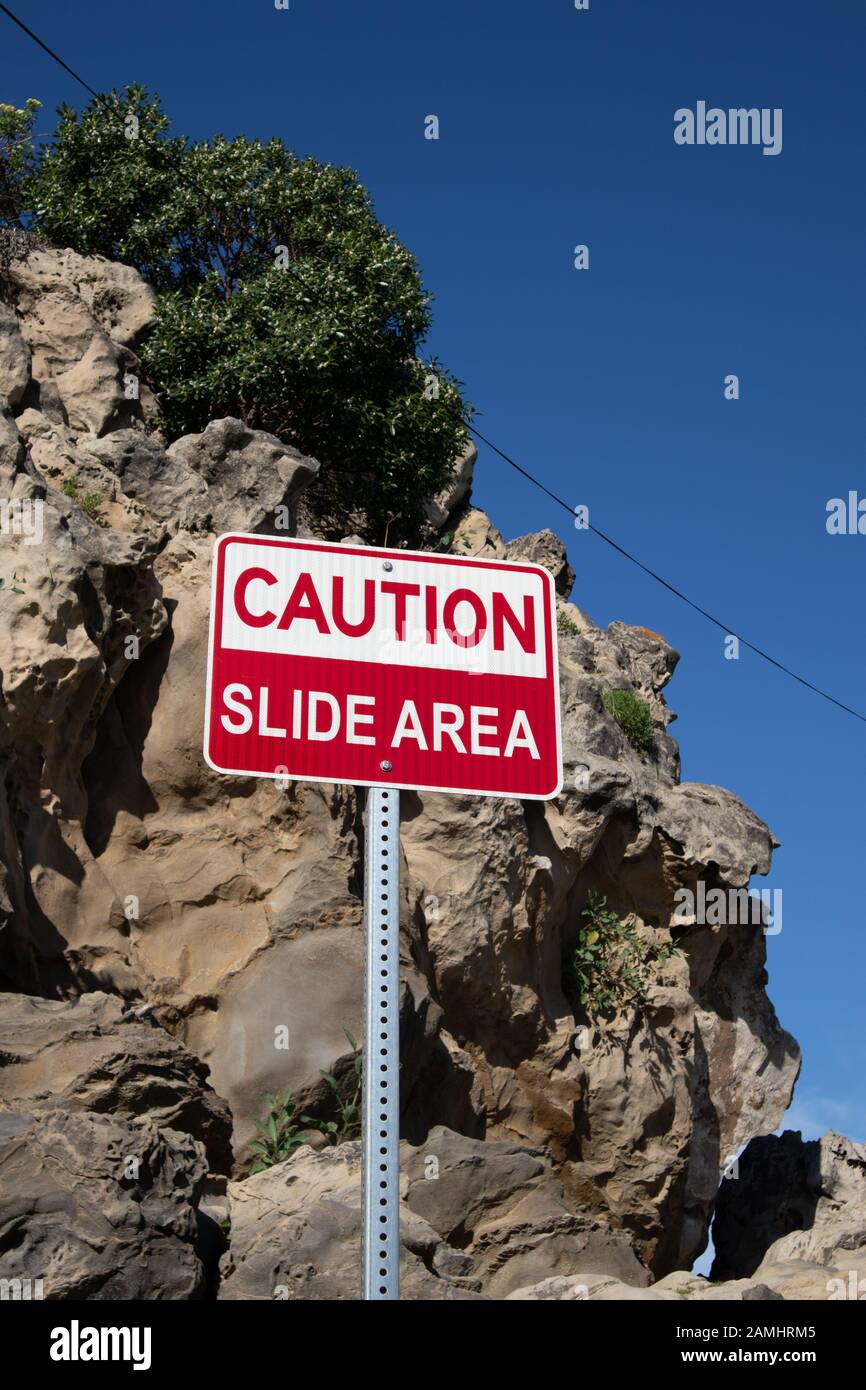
point(282, 300)
point(16, 158)
point(632, 715)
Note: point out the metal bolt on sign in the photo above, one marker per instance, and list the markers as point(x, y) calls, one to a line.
point(381, 1084)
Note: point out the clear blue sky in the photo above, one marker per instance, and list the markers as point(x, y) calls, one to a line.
point(557, 128)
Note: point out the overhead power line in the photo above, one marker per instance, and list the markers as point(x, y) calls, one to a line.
point(524, 472)
point(608, 540)
point(115, 114)
point(50, 51)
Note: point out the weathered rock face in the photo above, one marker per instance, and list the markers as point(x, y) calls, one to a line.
point(81, 318)
point(128, 866)
point(504, 1208)
point(544, 548)
point(96, 1207)
point(438, 509)
point(296, 1233)
point(645, 1118)
point(792, 1201)
point(483, 1220)
point(99, 1054)
point(476, 1219)
point(674, 1288)
point(15, 363)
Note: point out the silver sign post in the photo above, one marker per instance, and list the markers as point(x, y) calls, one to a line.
point(381, 1086)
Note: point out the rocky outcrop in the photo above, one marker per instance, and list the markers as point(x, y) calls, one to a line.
point(15, 361)
point(477, 1219)
point(233, 908)
point(546, 549)
point(482, 1220)
point(790, 1200)
point(773, 1281)
point(445, 504)
point(674, 1288)
point(98, 1054)
point(647, 1112)
point(99, 1208)
point(502, 1205)
point(296, 1234)
point(81, 318)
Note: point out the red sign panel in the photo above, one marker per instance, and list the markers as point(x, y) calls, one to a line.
point(340, 663)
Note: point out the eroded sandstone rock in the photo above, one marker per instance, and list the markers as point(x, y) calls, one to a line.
point(792, 1201)
point(438, 509)
point(296, 1234)
point(234, 908)
point(14, 357)
point(99, 1208)
point(82, 317)
point(96, 1053)
point(476, 1219)
point(545, 549)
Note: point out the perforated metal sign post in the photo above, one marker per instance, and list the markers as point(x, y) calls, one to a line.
point(383, 669)
point(381, 1098)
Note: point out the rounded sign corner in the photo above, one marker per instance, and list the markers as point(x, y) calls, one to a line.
point(214, 767)
point(224, 541)
point(557, 791)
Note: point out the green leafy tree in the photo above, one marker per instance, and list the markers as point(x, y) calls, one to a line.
point(282, 300)
point(107, 185)
point(16, 158)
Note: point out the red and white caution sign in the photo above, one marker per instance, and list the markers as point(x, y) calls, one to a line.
point(340, 663)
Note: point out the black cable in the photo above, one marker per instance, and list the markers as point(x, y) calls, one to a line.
point(107, 106)
point(729, 631)
point(524, 472)
point(49, 51)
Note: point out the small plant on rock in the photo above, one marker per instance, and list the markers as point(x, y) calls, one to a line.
point(566, 625)
point(348, 1122)
point(90, 503)
point(283, 1130)
point(280, 1134)
point(632, 715)
point(609, 967)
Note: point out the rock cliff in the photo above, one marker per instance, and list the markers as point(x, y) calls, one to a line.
point(796, 1210)
point(166, 922)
